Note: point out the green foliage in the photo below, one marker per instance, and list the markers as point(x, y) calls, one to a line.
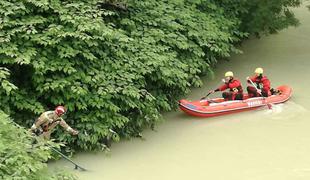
point(116, 66)
point(19, 158)
point(262, 16)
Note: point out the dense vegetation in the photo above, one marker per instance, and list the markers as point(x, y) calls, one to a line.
point(19, 158)
point(117, 65)
point(262, 17)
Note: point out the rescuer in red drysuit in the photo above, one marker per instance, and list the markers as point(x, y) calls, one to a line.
point(234, 85)
point(261, 82)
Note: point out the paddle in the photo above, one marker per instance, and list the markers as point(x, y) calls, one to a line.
point(206, 96)
point(268, 104)
point(211, 92)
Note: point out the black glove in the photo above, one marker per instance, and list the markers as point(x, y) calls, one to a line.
point(37, 131)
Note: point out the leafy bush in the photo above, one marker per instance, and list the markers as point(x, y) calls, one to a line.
point(117, 65)
point(262, 16)
point(19, 159)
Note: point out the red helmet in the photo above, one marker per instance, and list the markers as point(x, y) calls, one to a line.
point(60, 110)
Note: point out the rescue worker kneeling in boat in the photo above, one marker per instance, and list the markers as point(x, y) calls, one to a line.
point(261, 82)
point(234, 86)
point(48, 120)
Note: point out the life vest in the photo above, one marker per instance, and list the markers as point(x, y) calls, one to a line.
point(232, 85)
point(262, 83)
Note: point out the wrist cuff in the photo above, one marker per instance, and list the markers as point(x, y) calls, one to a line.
point(33, 127)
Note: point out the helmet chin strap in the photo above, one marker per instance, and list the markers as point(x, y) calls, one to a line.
point(260, 76)
point(228, 80)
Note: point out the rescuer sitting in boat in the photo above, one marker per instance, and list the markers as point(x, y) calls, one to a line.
point(261, 82)
point(234, 86)
point(48, 120)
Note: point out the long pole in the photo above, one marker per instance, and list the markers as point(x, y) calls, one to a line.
point(68, 159)
point(55, 150)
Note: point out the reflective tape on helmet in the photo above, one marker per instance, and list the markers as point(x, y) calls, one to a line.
point(60, 110)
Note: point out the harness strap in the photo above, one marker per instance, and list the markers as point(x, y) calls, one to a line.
point(45, 128)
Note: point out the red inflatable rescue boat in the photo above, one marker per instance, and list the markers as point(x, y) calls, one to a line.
point(217, 106)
